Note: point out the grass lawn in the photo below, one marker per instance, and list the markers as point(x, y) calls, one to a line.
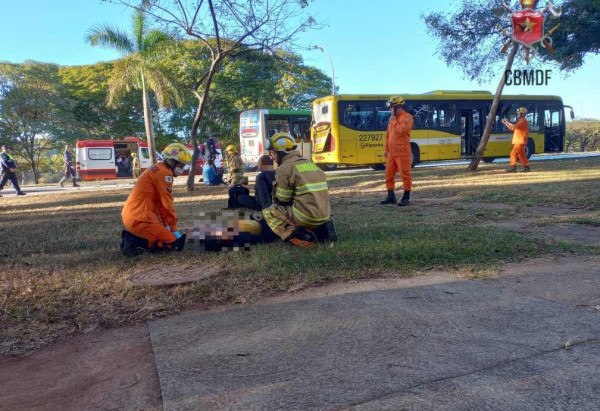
point(62, 271)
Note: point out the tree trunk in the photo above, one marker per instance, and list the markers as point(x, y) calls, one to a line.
point(196, 123)
point(492, 115)
point(148, 122)
point(34, 168)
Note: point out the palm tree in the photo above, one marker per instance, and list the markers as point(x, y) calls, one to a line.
point(143, 49)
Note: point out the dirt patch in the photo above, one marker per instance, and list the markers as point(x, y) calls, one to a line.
point(584, 234)
point(488, 206)
point(103, 370)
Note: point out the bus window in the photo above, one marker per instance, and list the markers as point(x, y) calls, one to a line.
point(444, 116)
point(422, 115)
point(145, 153)
point(533, 119)
point(363, 116)
point(278, 125)
point(301, 132)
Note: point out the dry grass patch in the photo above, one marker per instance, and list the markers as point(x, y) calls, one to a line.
point(63, 273)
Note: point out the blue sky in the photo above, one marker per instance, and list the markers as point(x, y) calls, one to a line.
point(379, 46)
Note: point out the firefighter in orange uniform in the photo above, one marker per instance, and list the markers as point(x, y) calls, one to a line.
point(398, 151)
point(149, 216)
point(520, 134)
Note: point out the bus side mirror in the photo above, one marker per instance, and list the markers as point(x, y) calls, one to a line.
point(572, 115)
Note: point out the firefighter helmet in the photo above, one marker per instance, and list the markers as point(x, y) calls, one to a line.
point(231, 149)
point(178, 152)
point(395, 101)
point(521, 110)
point(281, 142)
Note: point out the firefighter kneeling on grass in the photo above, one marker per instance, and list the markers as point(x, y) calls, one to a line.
point(300, 213)
point(149, 215)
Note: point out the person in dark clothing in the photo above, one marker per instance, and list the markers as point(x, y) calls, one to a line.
point(9, 170)
point(68, 169)
point(263, 188)
point(210, 150)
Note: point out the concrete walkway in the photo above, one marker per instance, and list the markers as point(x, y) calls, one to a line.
point(527, 340)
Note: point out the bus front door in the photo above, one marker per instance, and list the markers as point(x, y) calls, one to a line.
point(471, 130)
point(552, 134)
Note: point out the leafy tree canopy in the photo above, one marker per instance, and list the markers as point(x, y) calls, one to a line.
point(477, 26)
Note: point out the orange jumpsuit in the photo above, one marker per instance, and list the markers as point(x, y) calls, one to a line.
point(519, 140)
point(149, 207)
point(397, 146)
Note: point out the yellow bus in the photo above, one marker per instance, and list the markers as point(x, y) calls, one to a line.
point(350, 129)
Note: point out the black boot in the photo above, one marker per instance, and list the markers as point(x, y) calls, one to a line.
point(75, 184)
point(325, 233)
point(512, 169)
point(132, 245)
point(390, 199)
point(526, 169)
point(405, 200)
point(302, 238)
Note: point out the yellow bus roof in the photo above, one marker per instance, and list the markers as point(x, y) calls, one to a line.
point(436, 95)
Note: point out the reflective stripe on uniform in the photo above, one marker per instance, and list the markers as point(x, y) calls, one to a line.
point(304, 219)
point(279, 221)
point(284, 194)
point(311, 188)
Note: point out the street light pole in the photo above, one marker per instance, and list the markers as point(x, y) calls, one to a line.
point(323, 49)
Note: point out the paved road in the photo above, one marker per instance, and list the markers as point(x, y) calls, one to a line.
point(124, 183)
point(527, 340)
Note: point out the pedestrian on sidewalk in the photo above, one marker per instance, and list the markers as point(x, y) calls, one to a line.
point(68, 168)
point(9, 170)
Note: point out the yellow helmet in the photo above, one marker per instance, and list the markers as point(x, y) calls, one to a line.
point(178, 152)
point(249, 226)
point(395, 101)
point(281, 142)
point(133, 155)
point(231, 149)
point(521, 110)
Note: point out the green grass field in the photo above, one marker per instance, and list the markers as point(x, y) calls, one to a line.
point(62, 271)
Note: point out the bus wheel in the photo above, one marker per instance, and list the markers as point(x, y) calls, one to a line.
point(488, 159)
point(415, 155)
point(378, 167)
point(530, 148)
point(328, 167)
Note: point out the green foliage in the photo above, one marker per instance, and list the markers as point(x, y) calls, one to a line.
point(87, 86)
point(139, 69)
point(250, 80)
point(475, 26)
point(583, 135)
point(35, 109)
